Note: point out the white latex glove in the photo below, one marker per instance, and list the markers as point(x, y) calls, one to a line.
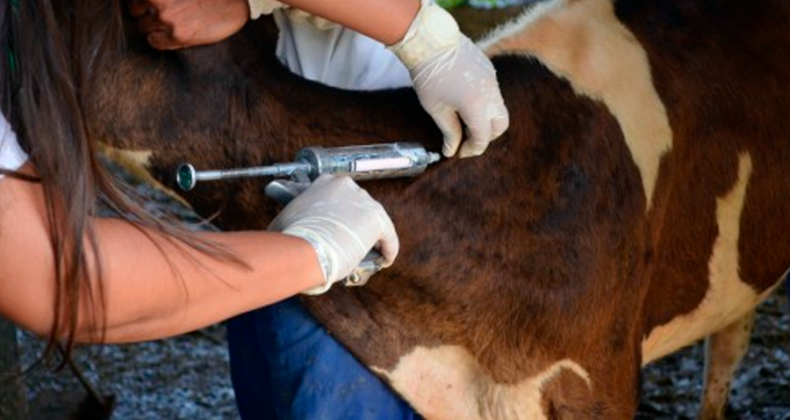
point(263, 7)
point(267, 7)
point(452, 76)
point(342, 223)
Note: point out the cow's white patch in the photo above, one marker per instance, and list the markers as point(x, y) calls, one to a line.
point(583, 42)
point(728, 298)
point(130, 158)
point(447, 382)
point(137, 162)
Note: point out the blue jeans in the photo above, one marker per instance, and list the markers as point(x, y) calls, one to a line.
point(285, 366)
point(787, 287)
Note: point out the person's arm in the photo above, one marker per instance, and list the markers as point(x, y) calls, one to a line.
point(160, 288)
point(150, 293)
point(172, 24)
point(451, 75)
point(383, 20)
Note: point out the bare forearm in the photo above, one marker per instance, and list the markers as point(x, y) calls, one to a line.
point(153, 287)
point(153, 294)
point(383, 20)
point(172, 24)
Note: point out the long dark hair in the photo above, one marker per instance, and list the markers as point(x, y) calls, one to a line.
point(53, 47)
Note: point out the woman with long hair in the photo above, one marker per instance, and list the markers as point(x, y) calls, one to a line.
point(73, 277)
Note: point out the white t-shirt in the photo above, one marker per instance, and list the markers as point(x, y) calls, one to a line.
point(11, 155)
point(336, 56)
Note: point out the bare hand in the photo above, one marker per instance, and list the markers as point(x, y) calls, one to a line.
point(174, 24)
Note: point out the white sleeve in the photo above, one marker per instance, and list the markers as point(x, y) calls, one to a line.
point(11, 155)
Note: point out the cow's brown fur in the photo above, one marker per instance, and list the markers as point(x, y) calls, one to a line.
point(720, 69)
point(542, 249)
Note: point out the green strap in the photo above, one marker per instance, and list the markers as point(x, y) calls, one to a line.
point(11, 60)
point(9, 48)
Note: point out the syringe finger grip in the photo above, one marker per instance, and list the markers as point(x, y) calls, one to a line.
point(369, 266)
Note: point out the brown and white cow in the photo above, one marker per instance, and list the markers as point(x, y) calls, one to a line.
point(637, 204)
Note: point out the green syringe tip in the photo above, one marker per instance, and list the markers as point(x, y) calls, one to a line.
point(186, 177)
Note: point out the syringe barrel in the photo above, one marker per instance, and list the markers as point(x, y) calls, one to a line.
point(374, 161)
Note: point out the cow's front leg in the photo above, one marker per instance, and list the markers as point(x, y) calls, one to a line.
point(723, 353)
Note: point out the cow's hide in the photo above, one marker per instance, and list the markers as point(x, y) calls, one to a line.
point(637, 203)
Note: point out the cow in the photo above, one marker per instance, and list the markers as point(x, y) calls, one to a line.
point(636, 204)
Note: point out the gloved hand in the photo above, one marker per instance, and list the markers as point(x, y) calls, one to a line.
point(342, 223)
point(173, 24)
point(452, 75)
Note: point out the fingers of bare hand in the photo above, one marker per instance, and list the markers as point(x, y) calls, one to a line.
point(139, 8)
point(163, 40)
point(149, 24)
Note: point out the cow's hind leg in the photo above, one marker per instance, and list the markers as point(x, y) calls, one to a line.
point(723, 352)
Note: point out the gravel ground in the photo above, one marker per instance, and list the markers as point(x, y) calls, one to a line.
point(182, 378)
point(188, 377)
point(761, 388)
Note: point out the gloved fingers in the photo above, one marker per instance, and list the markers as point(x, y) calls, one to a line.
point(342, 222)
point(322, 180)
point(283, 191)
point(469, 149)
point(500, 122)
point(335, 181)
point(295, 186)
point(479, 135)
point(483, 131)
point(447, 120)
point(389, 244)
